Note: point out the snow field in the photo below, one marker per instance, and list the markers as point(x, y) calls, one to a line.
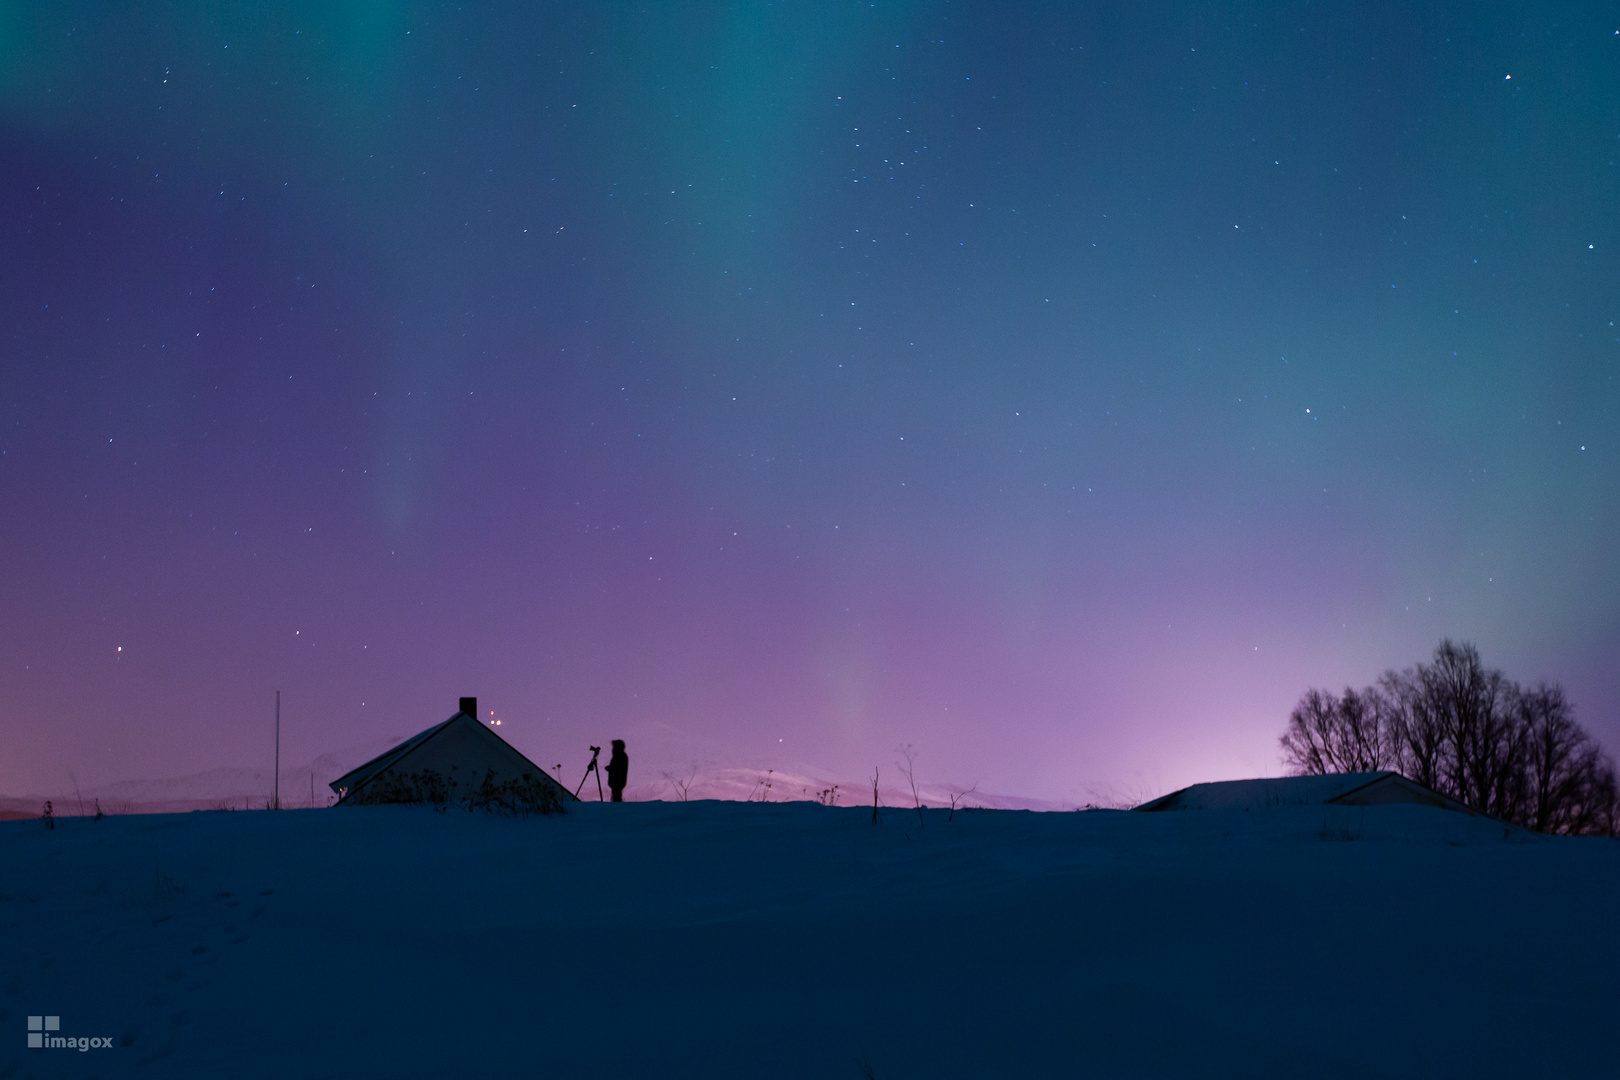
point(793, 940)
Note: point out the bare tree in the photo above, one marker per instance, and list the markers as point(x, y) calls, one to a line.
point(1468, 701)
point(682, 783)
point(1466, 731)
point(1349, 734)
point(957, 797)
point(1309, 746)
point(1418, 734)
point(1569, 784)
point(909, 752)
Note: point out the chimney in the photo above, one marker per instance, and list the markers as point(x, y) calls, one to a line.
point(469, 705)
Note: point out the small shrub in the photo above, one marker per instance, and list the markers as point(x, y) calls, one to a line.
point(425, 786)
point(682, 783)
point(524, 796)
point(762, 788)
point(168, 888)
point(1336, 828)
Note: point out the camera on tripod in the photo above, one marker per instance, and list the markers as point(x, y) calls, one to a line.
point(596, 751)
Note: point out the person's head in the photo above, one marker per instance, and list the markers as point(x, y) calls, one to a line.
point(618, 746)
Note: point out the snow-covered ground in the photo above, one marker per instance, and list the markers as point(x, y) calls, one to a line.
point(714, 939)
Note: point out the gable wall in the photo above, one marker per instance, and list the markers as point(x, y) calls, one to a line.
point(1396, 789)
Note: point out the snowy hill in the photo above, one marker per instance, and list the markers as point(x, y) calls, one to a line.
point(710, 939)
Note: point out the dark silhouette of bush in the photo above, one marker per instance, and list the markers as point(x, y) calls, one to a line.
point(522, 796)
point(1467, 731)
point(424, 786)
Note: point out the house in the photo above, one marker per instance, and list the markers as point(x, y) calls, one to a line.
point(1337, 789)
point(460, 760)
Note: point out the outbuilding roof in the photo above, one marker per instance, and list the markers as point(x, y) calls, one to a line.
point(1343, 789)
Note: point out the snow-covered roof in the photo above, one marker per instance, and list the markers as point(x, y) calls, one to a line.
point(457, 755)
point(1354, 789)
point(361, 773)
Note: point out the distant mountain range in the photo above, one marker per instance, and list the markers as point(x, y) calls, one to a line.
point(216, 789)
point(306, 786)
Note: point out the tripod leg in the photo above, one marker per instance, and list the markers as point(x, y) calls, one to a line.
point(599, 796)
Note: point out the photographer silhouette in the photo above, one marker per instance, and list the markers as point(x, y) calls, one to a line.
point(618, 767)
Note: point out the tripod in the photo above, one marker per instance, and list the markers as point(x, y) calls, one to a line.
point(591, 768)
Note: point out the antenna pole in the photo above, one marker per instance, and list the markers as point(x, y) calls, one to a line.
point(278, 750)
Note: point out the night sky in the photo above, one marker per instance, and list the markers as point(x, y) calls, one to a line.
point(1058, 388)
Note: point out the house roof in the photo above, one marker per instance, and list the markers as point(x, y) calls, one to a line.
point(1360, 788)
point(357, 778)
point(360, 774)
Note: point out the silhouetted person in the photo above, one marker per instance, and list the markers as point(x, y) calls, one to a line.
point(618, 767)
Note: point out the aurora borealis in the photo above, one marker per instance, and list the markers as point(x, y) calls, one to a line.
point(1058, 388)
